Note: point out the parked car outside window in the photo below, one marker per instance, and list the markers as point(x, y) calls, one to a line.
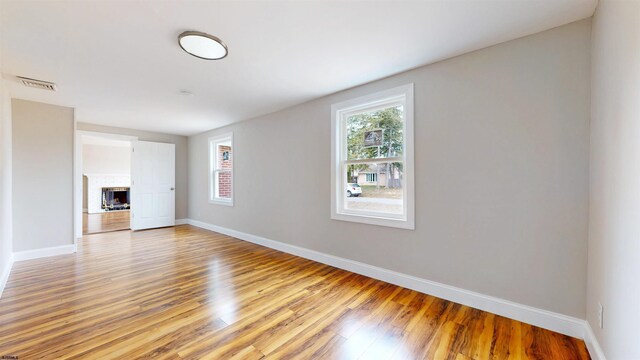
point(353, 189)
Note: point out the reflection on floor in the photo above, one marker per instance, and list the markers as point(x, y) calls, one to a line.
point(187, 293)
point(104, 222)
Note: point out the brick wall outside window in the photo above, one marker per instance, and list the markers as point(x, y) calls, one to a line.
point(224, 178)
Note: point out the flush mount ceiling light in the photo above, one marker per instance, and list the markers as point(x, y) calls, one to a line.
point(202, 45)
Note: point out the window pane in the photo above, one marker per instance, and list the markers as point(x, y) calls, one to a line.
point(221, 159)
point(223, 184)
point(224, 158)
point(375, 134)
point(379, 190)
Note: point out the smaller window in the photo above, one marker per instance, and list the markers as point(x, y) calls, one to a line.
point(372, 177)
point(221, 169)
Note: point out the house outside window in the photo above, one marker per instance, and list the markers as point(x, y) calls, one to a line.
point(221, 169)
point(371, 177)
point(372, 146)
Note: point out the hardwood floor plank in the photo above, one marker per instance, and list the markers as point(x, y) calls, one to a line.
point(106, 221)
point(188, 293)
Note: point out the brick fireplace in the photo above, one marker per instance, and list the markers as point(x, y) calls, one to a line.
point(115, 198)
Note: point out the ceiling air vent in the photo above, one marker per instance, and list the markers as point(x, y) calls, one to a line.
point(38, 84)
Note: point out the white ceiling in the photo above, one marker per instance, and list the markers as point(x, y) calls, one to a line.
point(118, 63)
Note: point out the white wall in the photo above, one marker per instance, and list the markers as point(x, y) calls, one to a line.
point(42, 175)
point(100, 159)
point(614, 223)
point(502, 137)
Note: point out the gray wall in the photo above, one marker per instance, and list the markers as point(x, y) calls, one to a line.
point(502, 137)
point(42, 175)
point(6, 222)
point(85, 200)
point(181, 156)
point(614, 223)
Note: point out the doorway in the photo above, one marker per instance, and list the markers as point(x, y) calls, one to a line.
point(105, 166)
point(135, 190)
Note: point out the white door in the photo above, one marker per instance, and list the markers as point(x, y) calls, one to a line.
point(153, 195)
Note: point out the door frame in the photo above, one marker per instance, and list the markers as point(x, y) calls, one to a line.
point(77, 174)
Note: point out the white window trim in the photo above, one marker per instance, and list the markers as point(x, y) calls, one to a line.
point(339, 112)
point(213, 141)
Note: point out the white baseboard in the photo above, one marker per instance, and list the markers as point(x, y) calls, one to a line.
point(592, 343)
point(182, 221)
point(45, 252)
point(4, 276)
point(542, 318)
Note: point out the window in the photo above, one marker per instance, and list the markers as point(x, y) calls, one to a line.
point(221, 169)
point(372, 145)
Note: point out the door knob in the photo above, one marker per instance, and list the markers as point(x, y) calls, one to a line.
point(172, 189)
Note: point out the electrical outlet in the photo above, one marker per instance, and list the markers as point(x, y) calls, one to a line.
point(601, 315)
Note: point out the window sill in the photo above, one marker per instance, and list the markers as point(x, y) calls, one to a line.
point(221, 202)
point(375, 220)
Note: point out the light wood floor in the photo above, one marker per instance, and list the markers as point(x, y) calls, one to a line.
point(104, 222)
point(187, 293)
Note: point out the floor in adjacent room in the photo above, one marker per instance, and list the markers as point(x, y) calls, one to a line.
point(188, 293)
point(106, 221)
